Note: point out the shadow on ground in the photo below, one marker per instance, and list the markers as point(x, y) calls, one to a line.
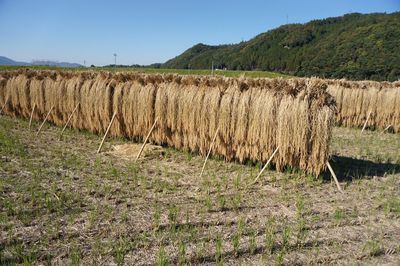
point(348, 169)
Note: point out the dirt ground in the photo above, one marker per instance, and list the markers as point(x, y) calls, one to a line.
point(62, 203)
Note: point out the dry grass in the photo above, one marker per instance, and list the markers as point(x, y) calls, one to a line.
point(254, 115)
point(130, 151)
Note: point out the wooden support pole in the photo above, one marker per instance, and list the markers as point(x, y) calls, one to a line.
point(334, 176)
point(389, 126)
point(366, 121)
point(44, 121)
point(145, 140)
point(69, 119)
point(265, 166)
point(30, 119)
point(105, 134)
point(209, 152)
point(4, 105)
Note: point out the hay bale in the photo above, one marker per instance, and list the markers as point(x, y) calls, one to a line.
point(356, 99)
point(3, 83)
point(254, 116)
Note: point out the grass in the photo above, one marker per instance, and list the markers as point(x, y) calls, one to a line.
point(226, 73)
point(338, 216)
point(62, 203)
point(219, 258)
point(372, 248)
point(392, 206)
point(236, 242)
point(162, 257)
point(270, 236)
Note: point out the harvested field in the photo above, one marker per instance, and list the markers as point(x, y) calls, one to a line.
point(254, 116)
point(62, 203)
point(357, 101)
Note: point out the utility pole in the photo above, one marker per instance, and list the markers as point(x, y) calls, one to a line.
point(115, 60)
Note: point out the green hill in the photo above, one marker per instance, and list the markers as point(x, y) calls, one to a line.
point(354, 46)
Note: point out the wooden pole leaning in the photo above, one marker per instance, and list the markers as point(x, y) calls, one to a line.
point(209, 151)
point(69, 119)
point(105, 134)
point(334, 176)
point(145, 140)
point(30, 119)
point(266, 165)
point(386, 128)
point(44, 121)
point(366, 121)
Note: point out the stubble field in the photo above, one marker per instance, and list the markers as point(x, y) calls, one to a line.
point(62, 203)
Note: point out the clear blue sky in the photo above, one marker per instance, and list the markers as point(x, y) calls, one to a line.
point(145, 32)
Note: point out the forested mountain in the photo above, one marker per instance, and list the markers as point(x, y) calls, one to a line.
point(353, 46)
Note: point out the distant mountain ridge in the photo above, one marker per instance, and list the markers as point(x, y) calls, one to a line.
point(5, 61)
point(353, 46)
point(54, 63)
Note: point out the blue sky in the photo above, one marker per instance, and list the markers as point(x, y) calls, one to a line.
point(145, 32)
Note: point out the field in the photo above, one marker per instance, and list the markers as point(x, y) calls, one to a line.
point(62, 203)
point(226, 73)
